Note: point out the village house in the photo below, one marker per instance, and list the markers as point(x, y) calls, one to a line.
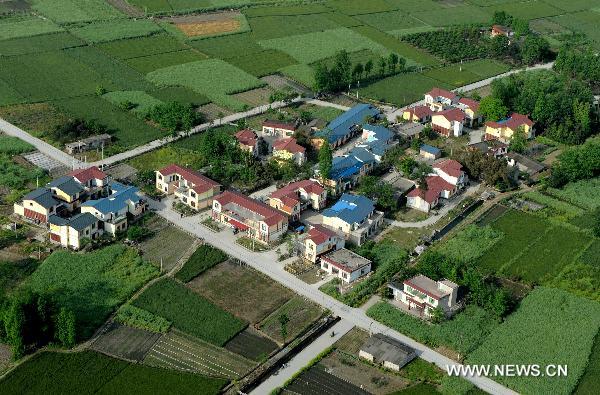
point(471, 110)
point(346, 126)
point(94, 181)
point(38, 205)
point(346, 265)
point(288, 149)
point(493, 148)
point(258, 220)
point(499, 30)
point(430, 152)
point(88, 144)
point(297, 196)
point(503, 130)
point(345, 173)
point(279, 128)
point(117, 209)
point(448, 122)
point(70, 232)
point(410, 130)
point(419, 114)
point(189, 186)
point(452, 172)
point(320, 240)
point(355, 216)
point(526, 165)
point(68, 190)
point(387, 352)
point(248, 141)
point(422, 295)
point(444, 182)
point(376, 134)
point(438, 99)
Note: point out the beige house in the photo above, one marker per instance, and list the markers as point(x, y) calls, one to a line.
point(297, 196)
point(71, 232)
point(448, 122)
point(278, 128)
point(438, 99)
point(423, 295)
point(189, 186)
point(320, 240)
point(37, 206)
point(504, 130)
point(288, 149)
point(248, 141)
point(420, 114)
point(257, 220)
point(354, 216)
point(471, 108)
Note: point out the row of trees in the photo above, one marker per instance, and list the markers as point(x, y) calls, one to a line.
point(581, 63)
point(30, 320)
point(175, 116)
point(576, 163)
point(339, 75)
point(487, 168)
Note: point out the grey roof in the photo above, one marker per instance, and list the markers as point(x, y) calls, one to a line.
point(531, 165)
point(347, 258)
point(43, 197)
point(410, 129)
point(430, 149)
point(66, 184)
point(387, 349)
point(56, 220)
point(82, 221)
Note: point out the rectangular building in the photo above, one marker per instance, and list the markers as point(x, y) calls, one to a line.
point(346, 265)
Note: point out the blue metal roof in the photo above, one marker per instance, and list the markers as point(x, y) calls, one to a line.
point(116, 201)
point(362, 154)
point(344, 166)
point(342, 125)
point(380, 133)
point(430, 149)
point(351, 208)
point(43, 197)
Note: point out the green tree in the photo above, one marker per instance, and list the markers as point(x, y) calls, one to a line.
point(325, 160)
point(596, 229)
point(518, 141)
point(392, 62)
point(407, 165)
point(501, 18)
point(492, 108)
point(382, 63)
point(534, 49)
point(358, 71)
point(368, 67)
point(283, 321)
point(438, 315)
point(65, 328)
point(305, 116)
point(175, 116)
point(14, 328)
point(137, 233)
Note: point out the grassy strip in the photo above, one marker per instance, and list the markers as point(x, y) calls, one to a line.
point(201, 260)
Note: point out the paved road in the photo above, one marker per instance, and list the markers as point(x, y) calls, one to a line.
point(40, 145)
point(472, 190)
point(393, 113)
point(267, 263)
point(303, 358)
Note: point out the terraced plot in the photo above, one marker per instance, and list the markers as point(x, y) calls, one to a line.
point(126, 343)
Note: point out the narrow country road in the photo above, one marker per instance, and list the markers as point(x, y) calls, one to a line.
point(267, 264)
point(303, 358)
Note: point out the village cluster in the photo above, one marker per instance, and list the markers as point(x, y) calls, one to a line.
point(85, 204)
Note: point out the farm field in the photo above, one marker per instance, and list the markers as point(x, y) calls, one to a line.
point(92, 285)
point(401, 89)
point(588, 383)
point(251, 344)
point(316, 378)
point(124, 342)
point(240, 290)
point(91, 372)
point(204, 258)
point(179, 351)
point(301, 314)
point(189, 312)
point(571, 344)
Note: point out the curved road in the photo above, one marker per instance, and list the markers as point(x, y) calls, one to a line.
point(267, 263)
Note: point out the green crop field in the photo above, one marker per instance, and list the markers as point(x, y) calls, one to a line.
point(531, 336)
point(228, 46)
point(69, 11)
point(393, 20)
point(263, 63)
point(465, 14)
point(189, 312)
point(90, 372)
point(142, 46)
point(41, 43)
point(116, 30)
point(201, 260)
point(583, 194)
point(212, 77)
point(143, 102)
point(8, 95)
point(92, 284)
point(301, 314)
point(269, 27)
point(15, 27)
point(180, 94)
point(146, 64)
point(529, 10)
point(401, 89)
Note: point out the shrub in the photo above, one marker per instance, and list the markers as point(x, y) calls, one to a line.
point(201, 260)
point(175, 116)
point(142, 319)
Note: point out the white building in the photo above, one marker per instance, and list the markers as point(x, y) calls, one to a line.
point(423, 295)
point(346, 265)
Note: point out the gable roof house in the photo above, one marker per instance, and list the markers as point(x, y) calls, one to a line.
point(114, 211)
point(500, 30)
point(493, 148)
point(69, 190)
point(320, 240)
point(260, 221)
point(438, 99)
point(38, 205)
point(422, 295)
point(471, 110)
point(189, 186)
point(279, 128)
point(386, 351)
point(451, 171)
point(355, 216)
point(297, 196)
point(419, 114)
point(345, 264)
point(448, 122)
point(248, 141)
point(446, 179)
point(503, 130)
point(88, 143)
point(94, 180)
point(71, 232)
point(429, 152)
point(344, 127)
point(288, 149)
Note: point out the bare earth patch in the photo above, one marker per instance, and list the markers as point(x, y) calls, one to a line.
point(208, 28)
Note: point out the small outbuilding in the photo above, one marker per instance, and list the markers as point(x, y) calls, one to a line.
point(387, 352)
point(430, 152)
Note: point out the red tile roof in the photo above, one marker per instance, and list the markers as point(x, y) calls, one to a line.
point(420, 111)
point(320, 234)
point(269, 215)
point(279, 125)
point(84, 175)
point(472, 104)
point(200, 182)
point(288, 144)
point(439, 92)
point(452, 114)
point(246, 137)
point(450, 167)
point(513, 122)
point(435, 185)
point(309, 186)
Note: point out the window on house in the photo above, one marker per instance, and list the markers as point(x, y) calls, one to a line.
point(193, 194)
point(345, 275)
point(325, 266)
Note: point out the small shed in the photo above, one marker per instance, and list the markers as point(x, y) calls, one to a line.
point(386, 351)
point(430, 152)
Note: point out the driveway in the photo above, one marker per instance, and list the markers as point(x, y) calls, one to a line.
point(266, 263)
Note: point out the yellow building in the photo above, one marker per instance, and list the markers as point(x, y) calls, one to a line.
point(504, 130)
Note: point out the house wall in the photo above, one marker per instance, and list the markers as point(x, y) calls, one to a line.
point(31, 206)
point(277, 131)
point(418, 203)
point(391, 366)
point(337, 223)
point(345, 276)
point(366, 355)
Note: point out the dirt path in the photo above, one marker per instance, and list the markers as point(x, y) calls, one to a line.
point(126, 8)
